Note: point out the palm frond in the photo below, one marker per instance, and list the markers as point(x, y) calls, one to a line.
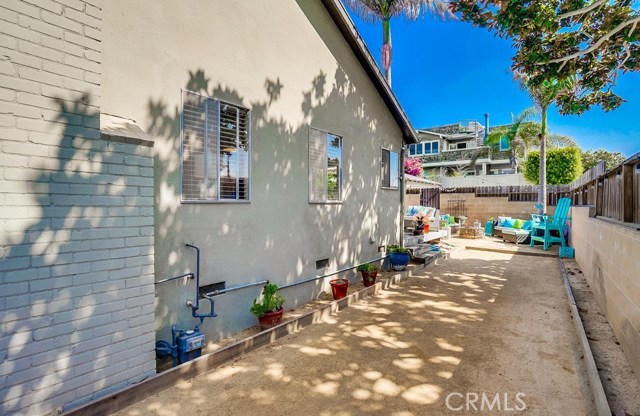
point(558, 140)
point(371, 11)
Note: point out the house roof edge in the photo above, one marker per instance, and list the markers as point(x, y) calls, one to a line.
point(341, 18)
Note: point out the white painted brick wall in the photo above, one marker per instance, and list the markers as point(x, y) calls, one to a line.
point(76, 219)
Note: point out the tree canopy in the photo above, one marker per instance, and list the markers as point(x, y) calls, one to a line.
point(591, 157)
point(593, 41)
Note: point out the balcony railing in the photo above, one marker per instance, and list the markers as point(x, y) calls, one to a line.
point(474, 153)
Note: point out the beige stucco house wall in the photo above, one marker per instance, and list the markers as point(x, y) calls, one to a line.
point(290, 65)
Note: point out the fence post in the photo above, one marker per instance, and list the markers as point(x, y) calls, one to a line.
point(627, 193)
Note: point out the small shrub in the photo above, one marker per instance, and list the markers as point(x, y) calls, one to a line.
point(394, 248)
point(271, 301)
point(367, 267)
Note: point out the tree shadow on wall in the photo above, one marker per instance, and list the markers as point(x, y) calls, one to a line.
point(279, 181)
point(64, 278)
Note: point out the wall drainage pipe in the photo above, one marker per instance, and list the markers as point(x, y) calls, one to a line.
point(194, 308)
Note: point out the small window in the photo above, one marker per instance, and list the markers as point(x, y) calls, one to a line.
point(419, 150)
point(412, 150)
point(462, 145)
point(215, 150)
point(325, 166)
point(504, 143)
point(431, 148)
point(390, 169)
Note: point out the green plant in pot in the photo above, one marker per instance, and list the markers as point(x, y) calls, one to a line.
point(270, 310)
point(369, 273)
point(399, 257)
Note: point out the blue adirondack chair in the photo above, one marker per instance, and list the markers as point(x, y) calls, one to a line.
point(545, 227)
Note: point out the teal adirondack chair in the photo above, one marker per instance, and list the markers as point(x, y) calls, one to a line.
point(544, 227)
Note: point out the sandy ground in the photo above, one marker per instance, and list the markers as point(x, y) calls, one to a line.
point(479, 324)
point(620, 383)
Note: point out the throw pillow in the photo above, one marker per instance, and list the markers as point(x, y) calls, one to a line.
point(452, 219)
point(518, 224)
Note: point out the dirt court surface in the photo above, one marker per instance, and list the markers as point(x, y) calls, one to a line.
point(478, 325)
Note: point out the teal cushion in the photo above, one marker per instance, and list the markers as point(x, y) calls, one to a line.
point(502, 221)
point(510, 223)
point(526, 225)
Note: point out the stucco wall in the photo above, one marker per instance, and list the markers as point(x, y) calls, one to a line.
point(287, 62)
point(76, 219)
point(608, 257)
point(481, 208)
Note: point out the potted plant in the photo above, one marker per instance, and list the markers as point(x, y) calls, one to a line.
point(270, 310)
point(369, 273)
point(399, 257)
point(339, 288)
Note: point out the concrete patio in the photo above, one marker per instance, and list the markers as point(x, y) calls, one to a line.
point(448, 340)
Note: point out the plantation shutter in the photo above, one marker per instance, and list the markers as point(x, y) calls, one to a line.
point(386, 181)
point(215, 149)
point(317, 165)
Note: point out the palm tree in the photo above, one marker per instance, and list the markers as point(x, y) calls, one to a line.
point(543, 95)
point(373, 11)
point(520, 135)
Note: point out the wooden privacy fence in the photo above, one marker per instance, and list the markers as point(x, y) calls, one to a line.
point(615, 194)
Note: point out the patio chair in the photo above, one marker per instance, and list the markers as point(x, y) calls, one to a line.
point(545, 226)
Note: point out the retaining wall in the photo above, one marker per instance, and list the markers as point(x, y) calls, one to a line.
point(608, 256)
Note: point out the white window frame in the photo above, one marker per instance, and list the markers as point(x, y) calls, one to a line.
point(207, 160)
point(431, 152)
point(397, 176)
point(340, 169)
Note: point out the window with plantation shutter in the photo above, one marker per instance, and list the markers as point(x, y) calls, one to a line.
point(216, 146)
point(390, 167)
point(325, 166)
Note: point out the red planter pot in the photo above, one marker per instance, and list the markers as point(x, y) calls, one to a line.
point(339, 287)
point(271, 319)
point(369, 278)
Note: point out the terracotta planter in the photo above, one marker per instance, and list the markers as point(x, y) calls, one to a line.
point(369, 278)
point(339, 288)
point(271, 319)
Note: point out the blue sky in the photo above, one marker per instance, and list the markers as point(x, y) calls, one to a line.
point(446, 71)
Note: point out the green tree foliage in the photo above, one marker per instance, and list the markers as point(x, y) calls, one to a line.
point(564, 165)
point(374, 11)
point(519, 136)
point(591, 157)
point(593, 41)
